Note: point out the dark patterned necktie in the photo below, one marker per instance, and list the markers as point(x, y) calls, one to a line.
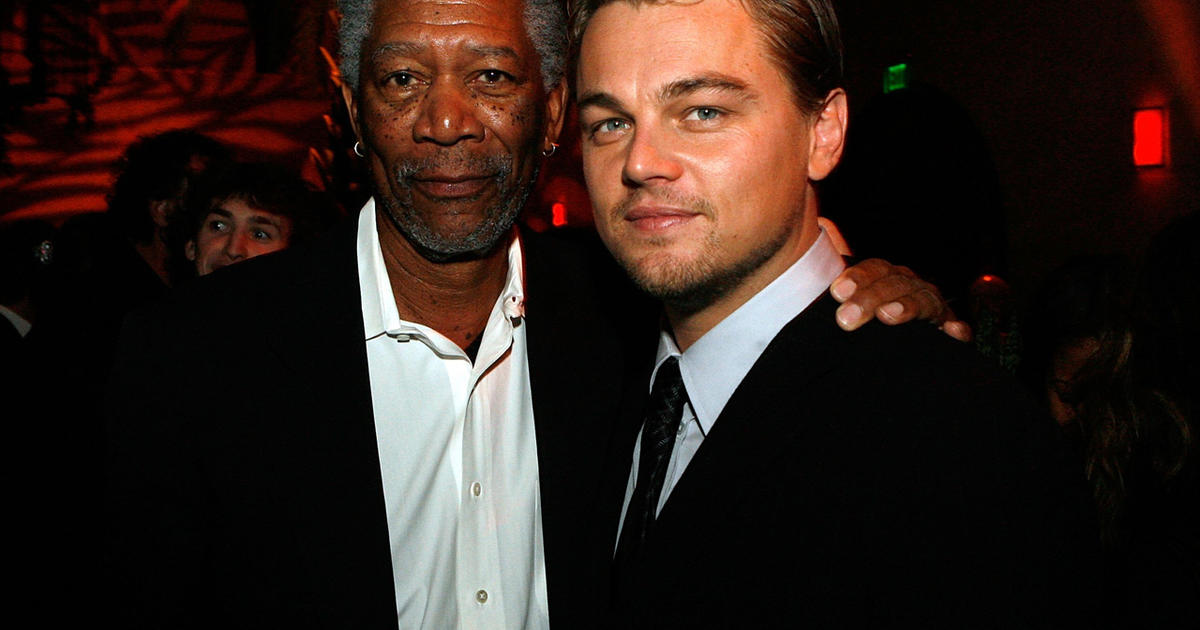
point(658, 436)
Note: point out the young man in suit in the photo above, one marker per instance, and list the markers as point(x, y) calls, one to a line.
point(420, 439)
point(760, 490)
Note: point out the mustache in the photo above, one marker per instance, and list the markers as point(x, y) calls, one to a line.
point(662, 196)
point(457, 162)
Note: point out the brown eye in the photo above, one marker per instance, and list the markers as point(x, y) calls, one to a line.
point(399, 79)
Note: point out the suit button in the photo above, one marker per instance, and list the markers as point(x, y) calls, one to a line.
point(477, 490)
point(481, 596)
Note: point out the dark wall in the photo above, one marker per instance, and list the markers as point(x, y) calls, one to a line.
point(1051, 85)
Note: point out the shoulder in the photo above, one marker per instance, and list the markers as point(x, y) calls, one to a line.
point(310, 271)
point(914, 354)
point(909, 378)
point(572, 270)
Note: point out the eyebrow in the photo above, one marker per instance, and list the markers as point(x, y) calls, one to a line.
point(412, 49)
point(260, 217)
point(714, 82)
point(598, 99)
point(266, 218)
point(494, 51)
point(401, 49)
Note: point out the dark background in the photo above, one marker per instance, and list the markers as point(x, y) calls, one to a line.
point(1011, 152)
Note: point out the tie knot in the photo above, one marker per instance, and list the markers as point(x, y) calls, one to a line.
point(668, 382)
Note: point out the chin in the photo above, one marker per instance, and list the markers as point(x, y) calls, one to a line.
point(668, 276)
point(442, 245)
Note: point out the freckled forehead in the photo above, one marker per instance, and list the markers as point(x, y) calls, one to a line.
point(497, 21)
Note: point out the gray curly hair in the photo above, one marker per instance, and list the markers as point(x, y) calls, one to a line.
point(545, 23)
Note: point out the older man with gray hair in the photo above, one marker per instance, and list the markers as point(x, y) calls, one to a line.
point(421, 439)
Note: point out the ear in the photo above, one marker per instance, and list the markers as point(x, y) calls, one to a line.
point(351, 107)
point(160, 212)
point(556, 110)
point(828, 135)
point(189, 250)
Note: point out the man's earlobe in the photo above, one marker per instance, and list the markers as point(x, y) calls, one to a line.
point(828, 135)
point(556, 110)
point(189, 250)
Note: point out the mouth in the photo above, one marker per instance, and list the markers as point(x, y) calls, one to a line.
point(649, 218)
point(451, 185)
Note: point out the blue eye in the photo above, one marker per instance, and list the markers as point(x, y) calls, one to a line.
point(611, 125)
point(704, 113)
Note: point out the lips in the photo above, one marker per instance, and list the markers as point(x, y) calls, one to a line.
point(658, 218)
point(451, 185)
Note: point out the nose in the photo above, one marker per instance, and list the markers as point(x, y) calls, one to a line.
point(447, 115)
point(650, 159)
point(237, 246)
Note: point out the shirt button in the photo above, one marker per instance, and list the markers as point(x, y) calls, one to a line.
point(477, 490)
point(481, 596)
point(682, 428)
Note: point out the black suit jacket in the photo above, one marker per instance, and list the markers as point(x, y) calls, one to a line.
point(244, 484)
point(886, 478)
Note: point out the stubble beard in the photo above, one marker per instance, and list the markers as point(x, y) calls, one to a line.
point(437, 245)
point(689, 285)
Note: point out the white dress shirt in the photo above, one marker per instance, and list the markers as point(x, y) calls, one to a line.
point(714, 366)
point(458, 456)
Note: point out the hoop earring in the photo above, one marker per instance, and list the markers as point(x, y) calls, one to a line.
point(549, 152)
point(358, 150)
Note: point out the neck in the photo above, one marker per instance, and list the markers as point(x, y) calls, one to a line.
point(453, 298)
point(689, 324)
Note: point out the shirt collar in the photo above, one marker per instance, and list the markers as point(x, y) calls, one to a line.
point(22, 325)
point(380, 315)
point(714, 366)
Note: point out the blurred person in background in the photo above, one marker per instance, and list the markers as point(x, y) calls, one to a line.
point(1135, 402)
point(26, 253)
point(113, 262)
point(243, 211)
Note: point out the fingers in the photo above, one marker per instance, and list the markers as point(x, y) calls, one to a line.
point(864, 274)
point(957, 329)
point(876, 289)
point(895, 298)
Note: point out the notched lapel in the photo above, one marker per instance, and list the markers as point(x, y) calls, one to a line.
point(578, 349)
point(753, 429)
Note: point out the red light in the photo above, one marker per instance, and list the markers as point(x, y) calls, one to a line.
point(558, 214)
point(1148, 134)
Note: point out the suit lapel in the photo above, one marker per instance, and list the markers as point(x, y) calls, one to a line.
point(583, 324)
point(746, 436)
point(337, 502)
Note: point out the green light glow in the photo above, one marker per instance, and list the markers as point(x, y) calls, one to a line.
point(895, 78)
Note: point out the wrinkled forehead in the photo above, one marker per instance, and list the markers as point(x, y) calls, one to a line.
point(408, 25)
